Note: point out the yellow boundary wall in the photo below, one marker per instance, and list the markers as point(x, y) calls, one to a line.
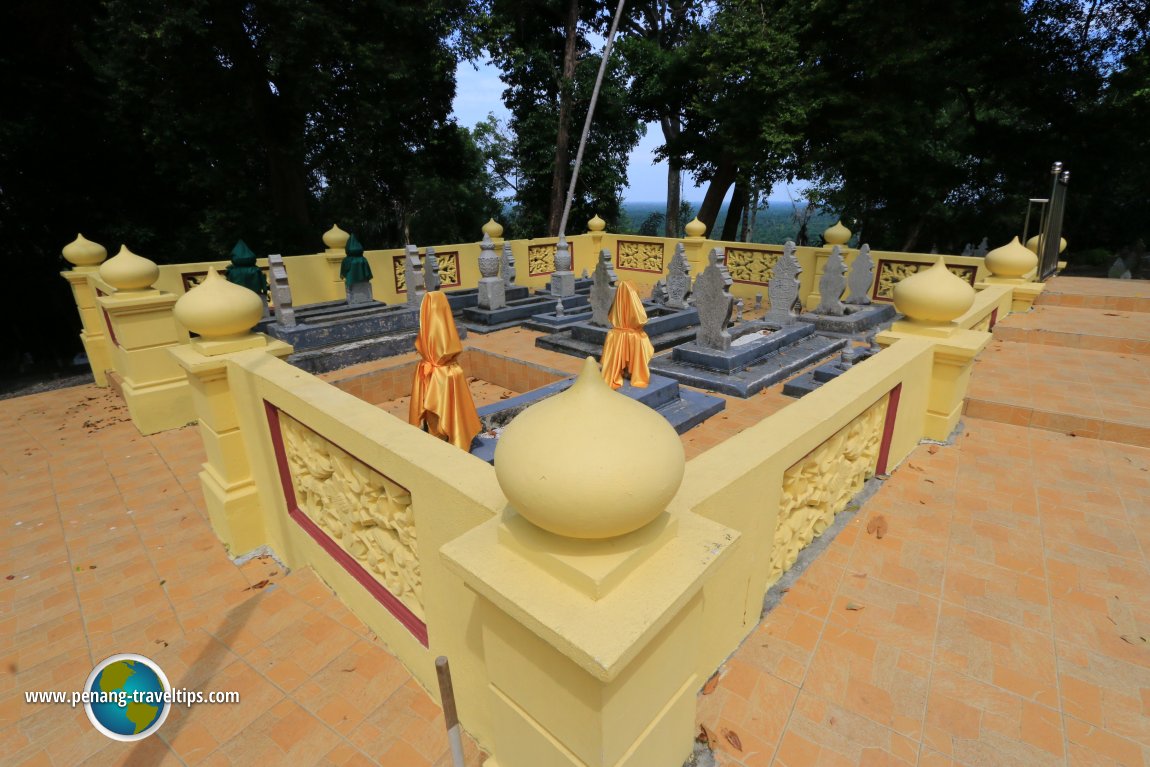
point(739, 484)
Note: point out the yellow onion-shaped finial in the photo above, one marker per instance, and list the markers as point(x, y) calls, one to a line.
point(335, 238)
point(83, 252)
point(493, 229)
point(596, 224)
point(218, 309)
point(589, 463)
point(837, 235)
point(1011, 260)
point(695, 228)
point(933, 295)
point(1032, 243)
point(126, 271)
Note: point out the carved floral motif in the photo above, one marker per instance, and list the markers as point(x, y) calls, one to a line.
point(823, 483)
point(640, 256)
point(192, 279)
point(397, 272)
point(890, 273)
point(752, 265)
point(448, 269)
point(541, 259)
point(366, 513)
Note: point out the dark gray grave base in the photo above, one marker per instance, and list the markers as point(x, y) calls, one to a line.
point(858, 322)
point(336, 356)
point(335, 322)
point(465, 298)
point(811, 380)
point(770, 339)
point(553, 323)
point(682, 408)
point(776, 366)
point(665, 328)
point(515, 313)
point(582, 287)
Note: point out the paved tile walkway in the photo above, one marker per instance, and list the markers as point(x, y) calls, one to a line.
point(1001, 623)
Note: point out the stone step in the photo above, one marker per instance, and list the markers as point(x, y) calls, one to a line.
point(333, 357)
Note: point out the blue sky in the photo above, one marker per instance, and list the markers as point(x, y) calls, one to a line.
point(479, 92)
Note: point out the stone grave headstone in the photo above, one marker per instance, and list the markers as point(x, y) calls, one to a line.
point(560, 310)
point(678, 279)
point(968, 250)
point(659, 292)
point(431, 279)
point(281, 291)
point(584, 275)
point(758, 301)
point(507, 267)
point(861, 277)
point(605, 257)
point(832, 284)
point(563, 279)
point(1117, 269)
point(715, 305)
point(492, 289)
point(602, 292)
point(719, 258)
point(413, 276)
point(739, 310)
point(783, 288)
point(983, 248)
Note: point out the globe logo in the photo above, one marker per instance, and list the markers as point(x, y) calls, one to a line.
point(126, 697)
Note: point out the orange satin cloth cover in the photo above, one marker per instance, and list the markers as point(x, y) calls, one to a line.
point(627, 345)
point(439, 393)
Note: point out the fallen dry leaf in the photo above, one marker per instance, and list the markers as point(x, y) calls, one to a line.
point(259, 585)
point(855, 606)
point(877, 526)
point(708, 737)
point(733, 738)
point(859, 574)
point(932, 449)
point(506, 395)
point(711, 684)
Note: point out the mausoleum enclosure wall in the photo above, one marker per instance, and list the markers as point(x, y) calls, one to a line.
point(368, 501)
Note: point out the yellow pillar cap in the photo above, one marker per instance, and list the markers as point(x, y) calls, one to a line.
point(596, 224)
point(1011, 260)
point(1032, 243)
point(218, 309)
point(837, 235)
point(695, 228)
point(493, 229)
point(335, 238)
point(933, 295)
point(83, 252)
point(126, 271)
point(590, 462)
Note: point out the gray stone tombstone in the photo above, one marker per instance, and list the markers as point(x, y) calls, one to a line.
point(563, 279)
point(831, 285)
point(758, 301)
point(719, 259)
point(968, 250)
point(982, 249)
point(492, 290)
point(359, 293)
point(507, 267)
point(602, 292)
point(678, 279)
point(783, 288)
point(560, 310)
point(281, 292)
point(431, 279)
point(413, 276)
point(1117, 269)
point(715, 305)
point(659, 293)
point(861, 278)
point(585, 275)
point(605, 257)
point(739, 310)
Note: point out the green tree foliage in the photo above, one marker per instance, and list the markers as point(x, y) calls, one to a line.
point(527, 40)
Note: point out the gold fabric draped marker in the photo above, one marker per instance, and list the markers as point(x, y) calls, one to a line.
point(439, 393)
point(627, 346)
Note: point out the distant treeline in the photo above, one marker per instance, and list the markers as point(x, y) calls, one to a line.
point(774, 223)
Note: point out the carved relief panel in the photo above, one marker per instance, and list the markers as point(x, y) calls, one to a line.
point(889, 273)
point(639, 256)
point(823, 483)
point(753, 266)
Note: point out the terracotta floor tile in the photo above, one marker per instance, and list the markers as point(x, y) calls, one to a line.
point(996, 652)
point(348, 689)
point(821, 733)
point(885, 613)
point(998, 592)
point(783, 643)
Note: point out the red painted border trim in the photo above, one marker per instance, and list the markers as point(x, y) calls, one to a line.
point(108, 320)
point(397, 608)
point(888, 430)
point(660, 270)
point(993, 318)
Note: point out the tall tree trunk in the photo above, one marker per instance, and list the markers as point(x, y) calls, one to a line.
point(672, 225)
point(716, 191)
point(563, 138)
point(735, 212)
